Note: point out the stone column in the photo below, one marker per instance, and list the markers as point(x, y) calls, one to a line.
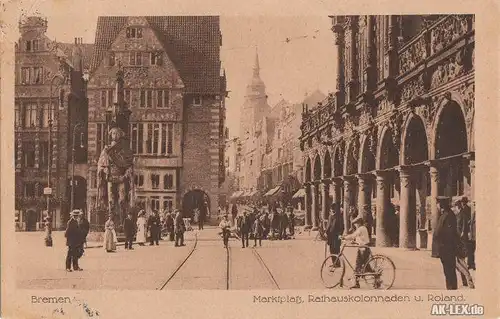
point(326, 199)
point(314, 206)
point(422, 214)
point(434, 176)
point(336, 198)
point(407, 218)
point(364, 193)
point(307, 204)
point(349, 183)
point(383, 238)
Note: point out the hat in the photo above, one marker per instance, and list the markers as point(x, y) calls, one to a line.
point(465, 199)
point(458, 201)
point(141, 212)
point(76, 212)
point(358, 219)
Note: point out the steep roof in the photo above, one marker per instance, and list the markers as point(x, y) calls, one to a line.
point(191, 42)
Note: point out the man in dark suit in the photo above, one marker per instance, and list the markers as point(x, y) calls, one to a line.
point(129, 230)
point(245, 226)
point(154, 228)
point(334, 229)
point(179, 229)
point(84, 225)
point(446, 238)
point(471, 245)
point(73, 241)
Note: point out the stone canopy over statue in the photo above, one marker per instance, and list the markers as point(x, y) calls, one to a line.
point(115, 175)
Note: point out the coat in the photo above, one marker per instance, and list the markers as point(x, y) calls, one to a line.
point(128, 227)
point(245, 224)
point(73, 234)
point(445, 235)
point(335, 226)
point(179, 226)
point(154, 223)
point(258, 228)
point(463, 222)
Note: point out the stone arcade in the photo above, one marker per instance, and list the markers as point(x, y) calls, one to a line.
point(400, 126)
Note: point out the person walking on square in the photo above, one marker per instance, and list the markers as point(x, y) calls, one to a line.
point(170, 227)
point(291, 222)
point(129, 230)
point(154, 228)
point(73, 241)
point(334, 230)
point(234, 214)
point(110, 239)
point(244, 226)
point(283, 225)
point(258, 231)
point(471, 244)
point(179, 229)
point(447, 240)
point(141, 228)
point(368, 218)
point(225, 226)
point(360, 236)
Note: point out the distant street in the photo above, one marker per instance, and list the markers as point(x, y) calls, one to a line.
point(290, 264)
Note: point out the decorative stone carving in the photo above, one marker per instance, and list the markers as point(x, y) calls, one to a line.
point(448, 70)
point(467, 93)
point(412, 54)
point(412, 89)
point(136, 72)
point(448, 30)
point(395, 123)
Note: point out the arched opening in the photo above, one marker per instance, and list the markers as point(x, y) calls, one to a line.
point(194, 199)
point(308, 170)
point(338, 164)
point(389, 154)
point(415, 143)
point(327, 166)
point(31, 220)
point(352, 159)
point(317, 168)
point(451, 140)
point(368, 160)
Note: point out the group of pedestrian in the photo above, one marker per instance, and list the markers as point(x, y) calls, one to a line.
point(455, 240)
point(76, 233)
point(174, 224)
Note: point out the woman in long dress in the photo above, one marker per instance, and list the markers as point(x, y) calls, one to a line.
point(110, 235)
point(141, 228)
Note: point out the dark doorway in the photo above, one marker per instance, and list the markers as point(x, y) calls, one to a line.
point(192, 200)
point(31, 220)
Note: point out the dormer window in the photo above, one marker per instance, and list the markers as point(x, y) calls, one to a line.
point(32, 45)
point(134, 32)
point(112, 59)
point(197, 100)
point(135, 58)
point(155, 58)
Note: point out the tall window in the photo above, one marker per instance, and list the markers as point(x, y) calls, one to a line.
point(139, 180)
point(44, 153)
point(168, 203)
point(127, 97)
point(101, 137)
point(35, 45)
point(149, 140)
point(168, 181)
point(111, 59)
point(134, 32)
point(17, 118)
point(37, 75)
point(163, 139)
point(25, 75)
point(162, 99)
point(170, 138)
point(155, 202)
point(44, 116)
point(29, 154)
point(29, 115)
point(28, 45)
point(135, 58)
point(107, 98)
point(156, 138)
point(29, 189)
point(146, 99)
point(155, 181)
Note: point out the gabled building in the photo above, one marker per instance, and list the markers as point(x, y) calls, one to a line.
point(176, 92)
point(49, 85)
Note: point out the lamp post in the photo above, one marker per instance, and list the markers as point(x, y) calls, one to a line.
point(48, 190)
point(73, 151)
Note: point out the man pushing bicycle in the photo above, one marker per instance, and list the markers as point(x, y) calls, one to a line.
point(361, 237)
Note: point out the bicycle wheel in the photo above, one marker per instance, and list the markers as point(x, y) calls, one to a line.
point(331, 275)
point(379, 272)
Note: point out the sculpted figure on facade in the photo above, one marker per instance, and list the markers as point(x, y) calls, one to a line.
point(115, 175)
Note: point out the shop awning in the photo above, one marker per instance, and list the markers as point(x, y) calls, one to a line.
point(237, 194)
point(300, 193)
point(273, 191)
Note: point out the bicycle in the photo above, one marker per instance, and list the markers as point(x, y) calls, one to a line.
point(372, 271)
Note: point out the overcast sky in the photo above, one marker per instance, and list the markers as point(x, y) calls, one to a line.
point(289, 69)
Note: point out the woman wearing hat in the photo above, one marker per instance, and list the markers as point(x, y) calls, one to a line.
point(361, 237)
point(225, 226)
point(110, 235)
point(141, 228)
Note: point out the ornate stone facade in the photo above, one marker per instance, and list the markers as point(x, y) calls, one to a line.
point(411, 119)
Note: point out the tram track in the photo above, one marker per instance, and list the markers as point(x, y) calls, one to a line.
point(266, 268)
point(166, 282)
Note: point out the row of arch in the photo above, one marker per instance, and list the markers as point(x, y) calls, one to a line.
point(450, 138)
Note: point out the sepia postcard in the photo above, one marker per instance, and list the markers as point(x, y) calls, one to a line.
point(239, 160)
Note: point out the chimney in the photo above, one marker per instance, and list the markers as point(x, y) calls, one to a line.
point(76, 40)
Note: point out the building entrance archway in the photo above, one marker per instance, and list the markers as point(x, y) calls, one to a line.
point(192, 200)
point(31, 220)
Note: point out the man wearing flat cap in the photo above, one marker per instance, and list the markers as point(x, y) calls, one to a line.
point(73, 241)
point(447, 240)
point(334, 229)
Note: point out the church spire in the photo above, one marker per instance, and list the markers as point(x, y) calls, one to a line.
point(256, 67)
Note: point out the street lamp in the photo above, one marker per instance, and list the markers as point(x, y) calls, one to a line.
point(48, 190)
point(77, 126)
